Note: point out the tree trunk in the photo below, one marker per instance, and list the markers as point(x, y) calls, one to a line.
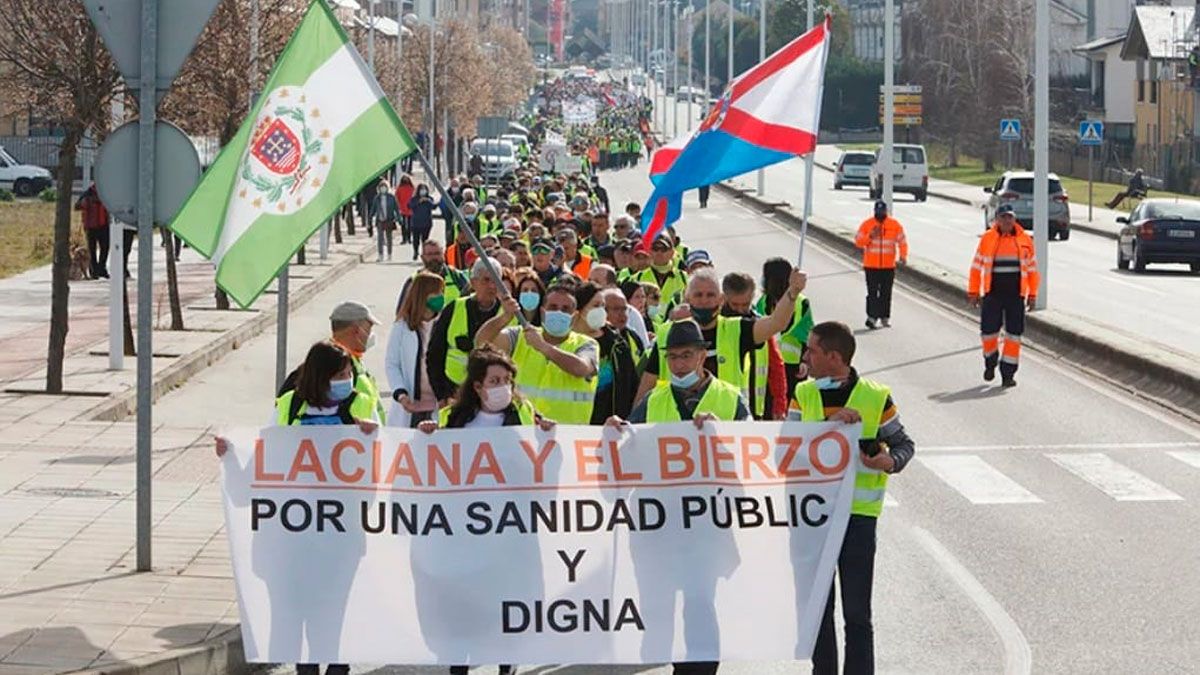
point(300, 260)
point(60, 290)
point(221, 298)
point(172, 281)
point(337, 228)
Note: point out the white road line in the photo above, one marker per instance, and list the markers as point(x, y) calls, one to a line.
point(1187, 457)
point(1062, 446)
point(889, 502)
point(1018, 659)
point(1116, 480)
point(977, 480)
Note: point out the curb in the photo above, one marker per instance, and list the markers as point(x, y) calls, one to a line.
point(119, 406)
point(218, 655)
point(1168, 379)
point(1082, 227)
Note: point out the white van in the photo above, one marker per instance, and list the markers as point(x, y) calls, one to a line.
point(24, 180)
point(910, 172)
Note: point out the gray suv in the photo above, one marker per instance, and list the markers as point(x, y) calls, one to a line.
point(1016, 188)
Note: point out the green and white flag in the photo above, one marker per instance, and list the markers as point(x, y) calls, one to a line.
point(320, 132)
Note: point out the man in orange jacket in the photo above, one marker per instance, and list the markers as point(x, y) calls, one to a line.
point(879, 237)
point(1004, 280)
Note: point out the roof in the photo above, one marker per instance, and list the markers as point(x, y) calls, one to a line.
point(1159, 32)
point(1029, 174)
point(1099, 44)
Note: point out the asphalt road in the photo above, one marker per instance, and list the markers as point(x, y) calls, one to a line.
point(1156, 307)
point(1049, 528)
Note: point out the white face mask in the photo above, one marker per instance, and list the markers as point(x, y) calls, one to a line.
point(371, 339)
point(596, 318)
point(498, 398)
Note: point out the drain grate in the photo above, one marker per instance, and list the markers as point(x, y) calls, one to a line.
point(85, 493)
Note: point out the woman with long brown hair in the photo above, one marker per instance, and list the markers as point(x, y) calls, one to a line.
point(487, 398)
point(405, 362)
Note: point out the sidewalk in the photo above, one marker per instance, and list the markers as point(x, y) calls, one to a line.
point(69, 596)
point(1103, 223)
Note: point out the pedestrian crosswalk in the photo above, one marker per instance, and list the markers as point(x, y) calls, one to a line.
point(981, 480)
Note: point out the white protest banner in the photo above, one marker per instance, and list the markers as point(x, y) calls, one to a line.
point(579, 112)
point(513, 545)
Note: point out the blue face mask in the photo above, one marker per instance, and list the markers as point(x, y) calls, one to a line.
point(826, 383)
point(557, 323)
point(340, 390)
point(530, 300)
point(685, 381)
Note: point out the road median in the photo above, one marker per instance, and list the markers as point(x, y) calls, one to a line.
point(1141, 368)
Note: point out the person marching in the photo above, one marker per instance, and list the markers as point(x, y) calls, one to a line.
point(451, 339)
point(837, 393)
point(879, 237)
point(775, 275)
point(1004, 280)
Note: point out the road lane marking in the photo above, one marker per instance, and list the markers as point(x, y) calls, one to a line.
point(977, 480)
point(1018, 659)
point(1190, 457)
point(1116, 480)
point(1136, 445)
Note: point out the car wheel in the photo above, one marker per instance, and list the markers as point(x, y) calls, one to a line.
point(872, 193)
point(1064, 235)
point(1122, 261)
point(1139, 261)
point(837, 186)
point(1195, 267)
point(23, 188)
point(922, 196)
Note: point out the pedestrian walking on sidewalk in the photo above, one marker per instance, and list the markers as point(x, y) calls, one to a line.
point(421, 206)
point(879, 237)
point(1003, 283)
point(703, 191)
point(385, 213)
point(95, 228)
point(404, 195)
point(836, 393)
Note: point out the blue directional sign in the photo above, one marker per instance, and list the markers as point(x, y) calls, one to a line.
point(1091, 132)
point(1010, 130)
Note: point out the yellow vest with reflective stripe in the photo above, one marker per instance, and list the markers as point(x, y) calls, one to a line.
point(760, 372)
point(729, 343)
point(720, 399)
point(868, 398)
point(360, 408)
point(676, 281)
point(366, 387)
point(525, 412)
point(791, 347)
point(456, 359)
point(554, 392)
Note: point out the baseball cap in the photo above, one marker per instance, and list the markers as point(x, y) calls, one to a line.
point(880, 205)
point(685, 333)
point(352, 310)
point(542, 245)
point(605, 251)
point(1004, 209)
point(696, 257)
point(662, 243)
point(567, 234)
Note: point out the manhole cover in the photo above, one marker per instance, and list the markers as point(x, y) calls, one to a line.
point(89, 493)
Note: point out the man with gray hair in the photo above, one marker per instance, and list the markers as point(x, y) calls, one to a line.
point(452, 337)
point(729, 339)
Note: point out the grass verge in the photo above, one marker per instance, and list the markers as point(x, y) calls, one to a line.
point(27, 235)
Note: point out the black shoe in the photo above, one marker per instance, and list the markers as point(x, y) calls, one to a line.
point(989, 373)
point(871, 323)
point(1008, 382)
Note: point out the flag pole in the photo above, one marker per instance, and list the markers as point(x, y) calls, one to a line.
point(808, 163)
point(466, 227)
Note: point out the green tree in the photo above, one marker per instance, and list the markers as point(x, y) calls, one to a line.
point(745, 48)
point(788, 20)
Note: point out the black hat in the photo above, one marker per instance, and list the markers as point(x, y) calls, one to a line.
point(684, 333)
point(880, 205)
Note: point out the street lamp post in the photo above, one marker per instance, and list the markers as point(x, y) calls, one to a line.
point(889, 101)
point(729, 49)
point(1041, 144)
point(707, 48)
point(762, 55)
point(675, 67)
point(690, 14)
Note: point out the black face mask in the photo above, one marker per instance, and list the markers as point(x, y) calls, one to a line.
point(704, 315)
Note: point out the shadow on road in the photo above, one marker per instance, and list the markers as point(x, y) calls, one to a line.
point(924, 359)
point(978, 392)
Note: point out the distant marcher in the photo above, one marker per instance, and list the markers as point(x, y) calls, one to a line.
point(385, 214)
point(420, 208)
point(95, 228)
point(404, 195)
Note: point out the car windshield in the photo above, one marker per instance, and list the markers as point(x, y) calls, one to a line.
point(492, 147)
point(7, 157)
point(1169, 210)
point(1025, 185)
point(858, 160)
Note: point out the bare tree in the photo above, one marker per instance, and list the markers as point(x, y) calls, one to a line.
point(55, 63)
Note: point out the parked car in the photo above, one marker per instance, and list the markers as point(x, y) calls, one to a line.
point(1016, 188)
point(853, 168)
point(1160, 231)
point(25, 180)
point(910, 172)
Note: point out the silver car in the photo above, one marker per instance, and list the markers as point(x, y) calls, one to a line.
point(1016, 188)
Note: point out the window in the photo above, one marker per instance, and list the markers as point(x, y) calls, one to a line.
point(1025, 185)
point(908, 156)
point(1141, 91)
point(1154, 91)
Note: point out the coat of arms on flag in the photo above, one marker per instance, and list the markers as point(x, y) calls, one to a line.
point(290, 153)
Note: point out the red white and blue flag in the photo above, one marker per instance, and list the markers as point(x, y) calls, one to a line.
point(768, 114)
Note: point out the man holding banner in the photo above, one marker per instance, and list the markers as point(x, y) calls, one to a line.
point(837, 393)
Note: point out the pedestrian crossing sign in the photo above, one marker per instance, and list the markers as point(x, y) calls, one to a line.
point(1091, 132)
point(1010, 130)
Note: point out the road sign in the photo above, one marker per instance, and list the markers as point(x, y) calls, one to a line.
point(908, 121)
point(492, 127)
point(119, 23)
point(903, 88)
point(176, 171)
point(1091, 132)
point(1010, 130)
point(906, 110)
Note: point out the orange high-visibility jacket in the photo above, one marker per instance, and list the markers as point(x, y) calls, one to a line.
point(1015, 247)
point(879, 251)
